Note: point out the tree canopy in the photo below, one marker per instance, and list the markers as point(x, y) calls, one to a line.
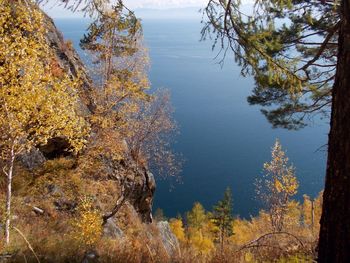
point(298, 53)
point(289, 46)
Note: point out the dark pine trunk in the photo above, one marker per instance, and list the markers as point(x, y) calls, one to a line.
point(334, 244)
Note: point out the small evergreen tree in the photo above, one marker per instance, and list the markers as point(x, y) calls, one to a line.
point(222, 217)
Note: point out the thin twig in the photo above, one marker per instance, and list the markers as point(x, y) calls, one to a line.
point(28, 244)
point(249, 244)
point(150, 252)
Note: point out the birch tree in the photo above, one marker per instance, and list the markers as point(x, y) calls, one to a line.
point(35, 104)
point(278, 185)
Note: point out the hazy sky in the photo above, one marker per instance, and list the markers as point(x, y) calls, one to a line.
point(164, 3)
point(57, 11)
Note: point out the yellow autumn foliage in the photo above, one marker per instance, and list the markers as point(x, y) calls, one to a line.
point(177, 228)
point(277, 186)
point(35, 104)
point(87, 226)
point(202, 243)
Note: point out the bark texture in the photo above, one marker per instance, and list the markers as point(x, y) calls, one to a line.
point(9, 175)
point(334, 244)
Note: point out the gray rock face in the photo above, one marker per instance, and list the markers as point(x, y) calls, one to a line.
point(139, 183)
point(170, 242)
point(69, 60)
point(32, 159)
point(90, 257)
point(111, 230)
point(142, 195)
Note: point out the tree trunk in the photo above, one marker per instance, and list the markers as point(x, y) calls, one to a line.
point(312, 216)
point(8, 197)
point(334, 244)
point(222, 239)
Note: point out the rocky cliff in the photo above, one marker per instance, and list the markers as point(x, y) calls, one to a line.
point(138, 182)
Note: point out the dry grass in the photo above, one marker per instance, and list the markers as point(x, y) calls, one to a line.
point(50, 233)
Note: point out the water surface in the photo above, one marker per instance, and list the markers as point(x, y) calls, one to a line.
point(224, 140)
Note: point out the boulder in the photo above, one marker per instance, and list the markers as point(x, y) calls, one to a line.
point(32, 159)
point(111, 230)
point(169, 240)
point(90, 257)
point(142, 194)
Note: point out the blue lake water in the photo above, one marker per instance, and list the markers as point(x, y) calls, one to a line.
point(224, 140)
